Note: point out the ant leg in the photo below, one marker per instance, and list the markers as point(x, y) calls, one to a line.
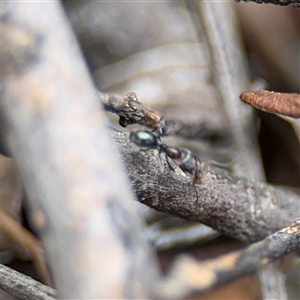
point(196, 192)
point(157, 128)
point(160, 132)
point(160, 163)
point(169, 164)
point(161, 128)
point(196, 175)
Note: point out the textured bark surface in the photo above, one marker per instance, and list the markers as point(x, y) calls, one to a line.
point(24, 287)
point(237, 207)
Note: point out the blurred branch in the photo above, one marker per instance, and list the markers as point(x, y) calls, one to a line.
point(182, 236)
point(184, 277)
point(295, 3)
point(80, 201)
point(24, 287)
point(229, 70)
point(274, 282)
point(229, 74)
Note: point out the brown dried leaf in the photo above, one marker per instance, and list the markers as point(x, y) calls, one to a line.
point(280, 103)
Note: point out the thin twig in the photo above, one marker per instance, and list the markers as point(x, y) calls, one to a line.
point(295, 3)
point(188, 275)
point(131, 111)
point(24, 287)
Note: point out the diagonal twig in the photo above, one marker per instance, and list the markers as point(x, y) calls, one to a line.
point(184, 277)
point(24, 287)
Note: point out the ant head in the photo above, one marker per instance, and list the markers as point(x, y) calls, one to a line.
point(144, 138)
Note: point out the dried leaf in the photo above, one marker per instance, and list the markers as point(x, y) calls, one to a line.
point(280, 103)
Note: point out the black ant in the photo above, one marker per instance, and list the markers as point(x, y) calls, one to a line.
point(182, 157)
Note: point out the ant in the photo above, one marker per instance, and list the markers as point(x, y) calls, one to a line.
point(182, 157)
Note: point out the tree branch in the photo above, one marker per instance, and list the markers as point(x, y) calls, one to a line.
point(237, 207)
point(184, 279)
point(79, 196)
